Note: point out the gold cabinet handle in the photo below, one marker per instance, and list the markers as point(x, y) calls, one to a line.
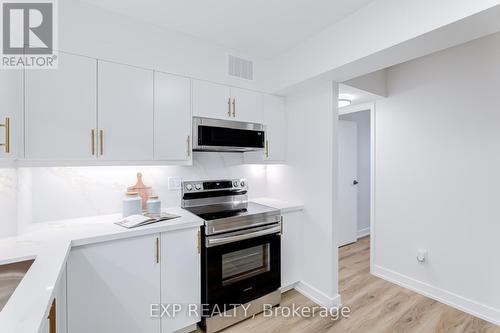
point(267, 148)
point(157, 250)
point(7, 135)
point(101, 141)
point(199, 242)
point(234, 107)
point(92, 139)
point(229, 107)
point(189, 146)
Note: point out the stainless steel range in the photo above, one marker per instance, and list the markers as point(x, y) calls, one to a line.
point(241, 270)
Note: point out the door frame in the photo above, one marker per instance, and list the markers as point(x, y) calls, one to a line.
point(357, 108)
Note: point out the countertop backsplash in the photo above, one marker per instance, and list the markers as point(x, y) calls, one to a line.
point(53, 193)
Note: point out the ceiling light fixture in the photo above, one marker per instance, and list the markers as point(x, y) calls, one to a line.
point(344, 102)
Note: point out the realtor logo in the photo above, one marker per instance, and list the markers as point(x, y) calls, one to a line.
point(28, 31)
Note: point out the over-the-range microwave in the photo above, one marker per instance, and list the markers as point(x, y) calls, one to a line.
point(227, 135)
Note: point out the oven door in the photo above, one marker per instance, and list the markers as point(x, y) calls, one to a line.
point(241, 266)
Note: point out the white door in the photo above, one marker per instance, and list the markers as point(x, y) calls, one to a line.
point(61, 110)
point(180, 276)
point(275, 121)
point(247, 106)
point(172, 118)
point(348, 194)
point(11, 108)
point(211, 100)
point(125, 112)
point(111, 286)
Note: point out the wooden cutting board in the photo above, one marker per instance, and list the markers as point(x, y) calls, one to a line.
point(144, 191)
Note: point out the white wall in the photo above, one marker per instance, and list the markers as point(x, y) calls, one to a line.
point(308, 178)
point(95, 32)
point(52, 193)
point(8, 202)
point(362, 119)
point(436, 175)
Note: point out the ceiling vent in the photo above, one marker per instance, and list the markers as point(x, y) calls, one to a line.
point(240, 68)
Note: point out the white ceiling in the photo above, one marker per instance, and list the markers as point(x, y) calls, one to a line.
point(262, 28)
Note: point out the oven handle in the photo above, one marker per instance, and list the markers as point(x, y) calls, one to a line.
point(231, 239)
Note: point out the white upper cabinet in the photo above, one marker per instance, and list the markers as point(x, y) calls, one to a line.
point(172, 118)
point(61, 110)
point(217, 101)
point(11, 107)
point(246, 105)
point(211, 100)
point(180, 276)
point(275, 121)
point(125, 112)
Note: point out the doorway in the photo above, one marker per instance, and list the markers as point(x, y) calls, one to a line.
point(355, 134)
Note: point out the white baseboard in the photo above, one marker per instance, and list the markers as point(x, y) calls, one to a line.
point(363, 232)
point(317, 296)
point(288, 287)
point(461, 303)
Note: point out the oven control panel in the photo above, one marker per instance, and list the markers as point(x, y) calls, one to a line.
point(214, 185)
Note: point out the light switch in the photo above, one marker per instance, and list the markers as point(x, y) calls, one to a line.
point(174, 183)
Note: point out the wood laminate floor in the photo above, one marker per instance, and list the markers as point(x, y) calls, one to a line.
point(376, 305)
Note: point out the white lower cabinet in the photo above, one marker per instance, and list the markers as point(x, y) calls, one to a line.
point(112, 285)
point(56, 318)
point(118, 286)
point(290, 250)
point(180, 275)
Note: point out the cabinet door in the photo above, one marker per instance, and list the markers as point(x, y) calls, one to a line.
point(60, 302)
point(172, 118)
point(180, 264)
point(125, 112)
point(211, 100)
point(112, 285)
point(290, 251)
point(247, 105)
point(11, 107)
point(275, 120)
point(61, 110)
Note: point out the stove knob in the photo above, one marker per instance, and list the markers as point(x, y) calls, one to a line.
point(189, 187)
point(197, 187)
point(242, 183)
point(235, 183)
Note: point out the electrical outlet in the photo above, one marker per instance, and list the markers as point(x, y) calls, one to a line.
point(421, 255)
point(174, 183)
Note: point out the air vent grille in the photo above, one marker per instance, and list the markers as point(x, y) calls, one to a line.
point(240, 68)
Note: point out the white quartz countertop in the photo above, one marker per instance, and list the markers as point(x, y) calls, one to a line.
point(49, 244)
point(283, 206)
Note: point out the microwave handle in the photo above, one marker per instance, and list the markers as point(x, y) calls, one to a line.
point(231, 239)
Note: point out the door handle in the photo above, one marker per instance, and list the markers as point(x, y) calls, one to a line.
point(234, 107)
point(214, 241)
point(229, 107)
point(355, 182)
